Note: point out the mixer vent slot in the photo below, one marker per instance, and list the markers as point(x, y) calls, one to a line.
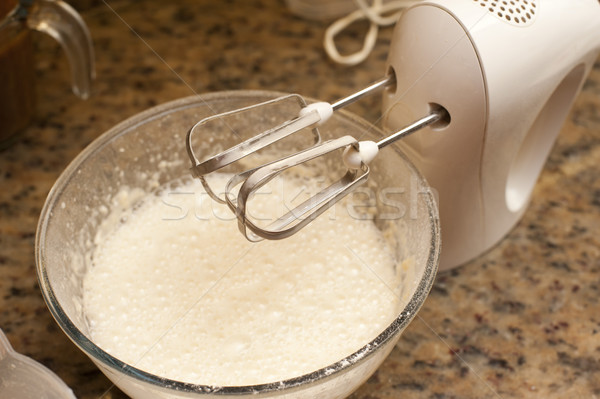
point(514, 12)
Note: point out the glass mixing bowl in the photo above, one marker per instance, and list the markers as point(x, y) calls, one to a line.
point(148, 151)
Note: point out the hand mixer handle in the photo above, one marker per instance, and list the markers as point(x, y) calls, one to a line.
point(507, 74)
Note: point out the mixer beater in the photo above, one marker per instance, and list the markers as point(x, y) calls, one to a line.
point(241, 187)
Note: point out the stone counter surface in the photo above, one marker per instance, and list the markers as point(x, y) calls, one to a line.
point(521, 321)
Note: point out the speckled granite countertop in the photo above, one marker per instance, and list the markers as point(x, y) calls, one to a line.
point(521, 321)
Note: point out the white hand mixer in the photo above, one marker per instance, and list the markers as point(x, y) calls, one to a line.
point(495, 81)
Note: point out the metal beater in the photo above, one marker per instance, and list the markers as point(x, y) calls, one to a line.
point(356, 157)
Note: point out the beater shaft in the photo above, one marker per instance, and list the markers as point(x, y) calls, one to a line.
point(372, 88)
point(435, 116)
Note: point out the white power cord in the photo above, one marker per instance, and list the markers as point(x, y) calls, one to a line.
point(376, 13)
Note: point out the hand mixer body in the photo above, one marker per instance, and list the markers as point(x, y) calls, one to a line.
point(507, 74)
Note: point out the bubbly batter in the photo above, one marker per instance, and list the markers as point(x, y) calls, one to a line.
point(177, 291)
